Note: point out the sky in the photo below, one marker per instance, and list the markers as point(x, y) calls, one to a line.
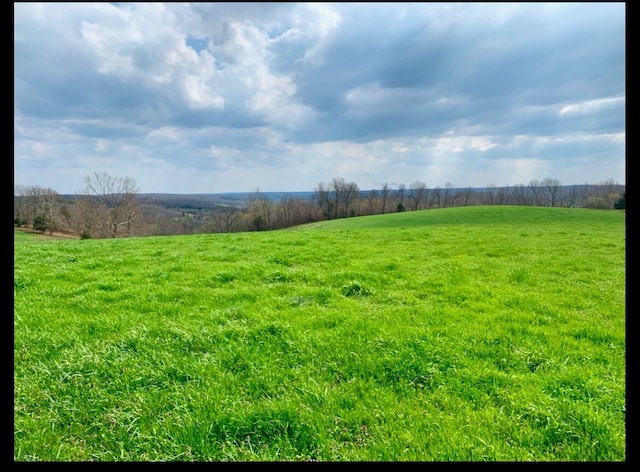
point(237, 97)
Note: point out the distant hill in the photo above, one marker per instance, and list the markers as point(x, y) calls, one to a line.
point(200, 201)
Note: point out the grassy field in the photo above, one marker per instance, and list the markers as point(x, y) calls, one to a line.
point(461, 334)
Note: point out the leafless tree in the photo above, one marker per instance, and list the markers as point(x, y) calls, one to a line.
point(519, 193)
point(571, 196)
point(48, 207)
point(502, 196)
point(286, 208)
point(337, 187)
point(436, 197)
point(336, 197)
point(553, 189)
point(32, 197)
point(108, 205)
point(324, 199)
point(400, 196)
point(386, 190)
point(260, 207)
point(33, 201)
point(222, 221)
point(448, 196)
point(489, 194)
point(21, 205)
point(536, 190)
point(350, 194)
point(416, 195)
point(467, 196)
point(372, 202)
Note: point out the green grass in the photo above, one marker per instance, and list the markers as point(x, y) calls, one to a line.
point(462, 334)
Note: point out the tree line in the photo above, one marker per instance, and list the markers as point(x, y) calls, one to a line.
point(106, 207)
point(111, 207)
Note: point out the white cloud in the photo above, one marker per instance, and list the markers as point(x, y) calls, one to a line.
point(323, 22)
point(166, 132)
point(39, 148)
point(101, 145)
point(591, 106)
point(482, 144)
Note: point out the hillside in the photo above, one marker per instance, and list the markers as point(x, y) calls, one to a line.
point(460, 334)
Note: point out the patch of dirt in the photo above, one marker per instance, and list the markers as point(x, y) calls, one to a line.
point(46, 235)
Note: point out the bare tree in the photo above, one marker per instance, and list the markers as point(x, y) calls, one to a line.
point(260, 208)
point(20, 205)
point(337, 187)
point(448, 196)
point(571, 196)
point(467, 196)
point(336, 197)
point(372, 202)
point(286, 207)
point(157, 220)
point(48, 208)
point(35, 202)
point(502, 196)
point(386, 189)
point(416, 195)
point(535, 192)
point(32, 202)
point(436, 197)
point(324, 199)
point(519, 193)
point(400, 196)
point(349, 196)
point(222, 221)
point(489, 194)
point(305, 210)
point(85, 216)
point(553, 189)
point(108, 205)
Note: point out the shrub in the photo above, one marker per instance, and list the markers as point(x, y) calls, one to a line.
point(259, 224)
point(40, 223)
point(596, 203)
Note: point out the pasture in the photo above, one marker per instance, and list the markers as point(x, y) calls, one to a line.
point(460, 334)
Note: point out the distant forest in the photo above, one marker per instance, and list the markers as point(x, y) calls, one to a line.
point(109, 207)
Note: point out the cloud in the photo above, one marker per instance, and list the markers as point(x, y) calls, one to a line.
point(101, 145)
point(232, 96)
point(593, 106)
